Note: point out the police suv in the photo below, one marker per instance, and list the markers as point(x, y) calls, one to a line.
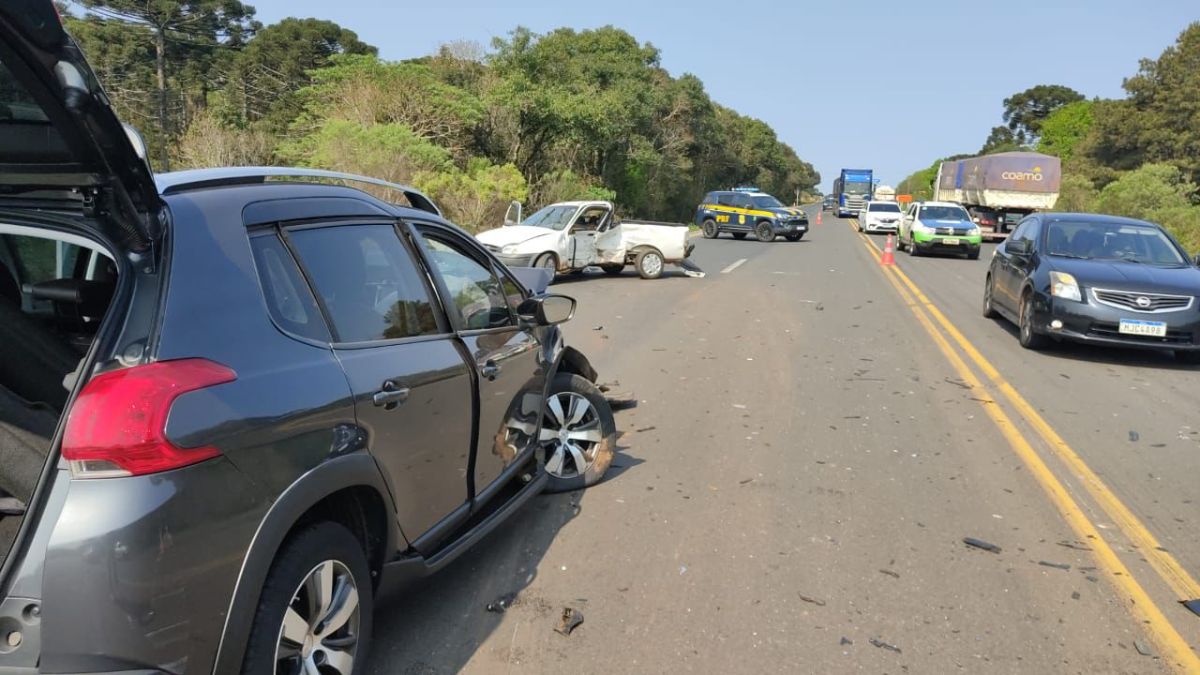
point(743, 211)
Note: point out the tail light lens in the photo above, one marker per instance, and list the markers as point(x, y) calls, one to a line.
point(117, 426)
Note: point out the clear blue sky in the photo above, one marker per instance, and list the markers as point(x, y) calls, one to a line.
point(889, 86)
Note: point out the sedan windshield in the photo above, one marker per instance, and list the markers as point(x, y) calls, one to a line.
point(943, 213)
point(1112, 241)
point(765, 202)
point(887, 207)
point(551, 217)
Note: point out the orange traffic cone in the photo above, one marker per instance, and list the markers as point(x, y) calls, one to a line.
point(889, 252)
point(818, 217)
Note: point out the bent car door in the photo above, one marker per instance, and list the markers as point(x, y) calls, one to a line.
point(481, 300)
point(583, 235)
point(410, 380)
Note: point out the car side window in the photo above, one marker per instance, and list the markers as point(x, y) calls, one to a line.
point(289, 299)
point(476, 293)
point(371, 287)
point(725, 199)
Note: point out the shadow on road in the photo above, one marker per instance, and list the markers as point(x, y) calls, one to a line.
point(440, 625)
point(1114, 356)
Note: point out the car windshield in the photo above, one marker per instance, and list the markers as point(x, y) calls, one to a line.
point(1144, 244)
point(884, 207)
point(552, 217)
point(765, 202)
point(944, 213)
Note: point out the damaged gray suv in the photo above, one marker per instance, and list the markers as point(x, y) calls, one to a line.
point(238, 405)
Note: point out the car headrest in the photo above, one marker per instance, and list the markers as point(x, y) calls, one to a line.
point(90, 298)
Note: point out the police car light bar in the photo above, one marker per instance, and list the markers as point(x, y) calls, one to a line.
point(744, 189)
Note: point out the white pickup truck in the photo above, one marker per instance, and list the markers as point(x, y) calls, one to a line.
point(571, 236)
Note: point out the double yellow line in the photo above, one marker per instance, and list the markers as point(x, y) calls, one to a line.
point(1174, 648)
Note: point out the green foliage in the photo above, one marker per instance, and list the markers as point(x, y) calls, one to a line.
point(1150, 188)
point(1064, 128)
point(1025, 111)
point(1002, 139)
point(920, 183)
point(1076, 194)
point(390, 151)
point(477, 197)
point(566, 185)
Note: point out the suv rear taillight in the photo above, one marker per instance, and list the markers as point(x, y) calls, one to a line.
point(117, 426)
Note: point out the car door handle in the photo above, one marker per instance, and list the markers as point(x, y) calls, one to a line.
point(390, 396)
point(489, 370)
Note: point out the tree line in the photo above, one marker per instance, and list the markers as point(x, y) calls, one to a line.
point(1137, 156)
point(534, 117)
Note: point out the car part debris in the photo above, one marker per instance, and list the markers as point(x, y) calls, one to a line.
point(981, 544)
point(815, 601)
point(1074, 595)
point(622, 403)
point(1134, 436)
point(644, 429)
point(1143, 648)
point(500, 604)
point(846, 641)
point(569, 621)
point(1059, 566)
point(883, 645)
point(1192, 605)
point(890, 573)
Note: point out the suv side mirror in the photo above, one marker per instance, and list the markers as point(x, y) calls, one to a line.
point(547, 310)
point(1021, 247)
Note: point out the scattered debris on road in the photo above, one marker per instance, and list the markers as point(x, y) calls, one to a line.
point(1074, 545)
point(502, 603)
point(846, 641)
point(598, 328)
point(811, 600)
point(622, 403)
point(883, 645)
point(1143, 648)
point(569, 621)
point(745, 481)
point(1134, 436)
point(981, 544)
point(643, 429)
point(1074, 595)
point(1060, 566)
point(890, 573)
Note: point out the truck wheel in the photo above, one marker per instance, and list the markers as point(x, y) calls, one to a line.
point(612, 270)
point(580, 456)
point(764, 232)
point(710, 230)
point(315, 608)
point(547, 261)
point(739, 235)
point(649, 263)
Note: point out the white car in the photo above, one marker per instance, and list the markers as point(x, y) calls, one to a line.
point(571, 236)
point(879, 217)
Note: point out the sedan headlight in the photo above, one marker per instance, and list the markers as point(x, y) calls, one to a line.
point(920, 227)
point(1063, 285)
point(974, 232)
point(509, 250)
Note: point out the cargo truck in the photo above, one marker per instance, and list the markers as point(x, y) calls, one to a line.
point(1001, 189)
point(853, 189)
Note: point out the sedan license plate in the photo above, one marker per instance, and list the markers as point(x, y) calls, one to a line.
point(1137, 327)
point(950, 241)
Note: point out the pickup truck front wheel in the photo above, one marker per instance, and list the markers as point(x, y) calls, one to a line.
point(649, 264)
point(709, 229)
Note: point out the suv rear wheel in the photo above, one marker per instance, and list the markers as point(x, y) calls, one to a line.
point(314, 614)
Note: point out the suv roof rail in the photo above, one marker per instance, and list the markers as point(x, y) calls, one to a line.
point(196, 179)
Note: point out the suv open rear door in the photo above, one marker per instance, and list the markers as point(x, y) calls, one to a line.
point(59, 137)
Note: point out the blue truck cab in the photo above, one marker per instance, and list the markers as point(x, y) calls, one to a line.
point(853, 188)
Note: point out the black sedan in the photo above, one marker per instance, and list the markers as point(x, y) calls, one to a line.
point(1096, 279)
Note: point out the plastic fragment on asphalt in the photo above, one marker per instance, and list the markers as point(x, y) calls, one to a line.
point(883, 645)
point(1134, 436)
point(1074, 595)
point(622, 403)
point(569, 621)
point(1192, 605)
point(811, 600)
point(1142, 648)
point(890, 573)
point(500, 604)
point(981, 544)
point(1060, 566)
point(846, 641)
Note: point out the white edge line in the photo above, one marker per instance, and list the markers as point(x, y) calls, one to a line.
point(733, 267)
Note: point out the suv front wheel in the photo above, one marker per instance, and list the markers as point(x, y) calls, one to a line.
point(579, 433)
point(314, 615)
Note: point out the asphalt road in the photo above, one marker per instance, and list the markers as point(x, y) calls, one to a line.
point(796, 480)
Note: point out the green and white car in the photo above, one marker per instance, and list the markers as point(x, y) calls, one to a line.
point(939, 227)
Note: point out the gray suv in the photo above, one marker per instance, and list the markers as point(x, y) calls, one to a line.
point(236, 408)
